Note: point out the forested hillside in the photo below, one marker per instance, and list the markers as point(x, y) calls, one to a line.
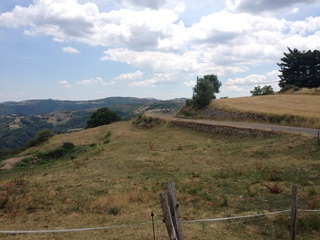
point(20, 121)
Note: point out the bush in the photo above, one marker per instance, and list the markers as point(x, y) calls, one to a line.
point(41, 137)
point(113, 211)
point(102, 116)
point(265, 90)
point(59, 152)
point(68, 146)
point(53, 154)
point(291, 88)
point(146, 122)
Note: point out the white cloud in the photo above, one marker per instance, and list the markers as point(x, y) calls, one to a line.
point(190, 83)
point(130, 76)
point(65, 83)
point(147, 83)
point(70, 50)
point(154, 4)
point(245, 84)
point(95, 81)
point(249, 80)
point(295, 10)
point(150, 36)
point(255, 6)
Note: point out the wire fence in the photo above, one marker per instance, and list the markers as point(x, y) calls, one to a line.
point(255, 217)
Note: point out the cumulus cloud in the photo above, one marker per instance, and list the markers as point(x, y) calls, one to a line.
point(95, 81)
point(249, 82)
point(154, 38)
point(295, 10)
point(130, 76)
point(65, 83)
point(254, 6)
point(70, 50)
point(66, 20)
point(190, 83)
point(154, 4)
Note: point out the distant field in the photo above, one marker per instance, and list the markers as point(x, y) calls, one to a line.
point(301, 105)
point(305, 106)
point(118, 171)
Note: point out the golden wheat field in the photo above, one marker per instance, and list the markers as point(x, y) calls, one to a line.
point(301, 105)
point(116, 173)
point(301, 110)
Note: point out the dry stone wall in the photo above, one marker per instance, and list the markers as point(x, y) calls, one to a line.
point(218, 129)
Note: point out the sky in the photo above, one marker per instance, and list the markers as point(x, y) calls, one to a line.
point(93, 49)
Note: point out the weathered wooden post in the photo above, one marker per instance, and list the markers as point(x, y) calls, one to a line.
point(174, 208)
point(167, 217)
point(294, 203)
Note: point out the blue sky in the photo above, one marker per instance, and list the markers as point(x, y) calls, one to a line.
point(81, 50)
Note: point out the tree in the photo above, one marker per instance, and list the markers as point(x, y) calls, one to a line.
point(265, 90)
point(216, 84)
point(300, 69)
point(204, 90)
point(102, 116)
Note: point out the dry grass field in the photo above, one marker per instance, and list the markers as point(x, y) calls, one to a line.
point(305, 106)
point(117, 171)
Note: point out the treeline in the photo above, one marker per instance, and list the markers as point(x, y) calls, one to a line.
point(49, 105)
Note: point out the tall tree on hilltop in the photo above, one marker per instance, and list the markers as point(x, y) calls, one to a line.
point(301, 69)
point(204, 90)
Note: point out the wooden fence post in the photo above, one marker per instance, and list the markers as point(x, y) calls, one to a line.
point(174, 209)
point(167, 217)
point(294, 203)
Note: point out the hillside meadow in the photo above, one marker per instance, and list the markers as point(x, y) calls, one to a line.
point(114, 174)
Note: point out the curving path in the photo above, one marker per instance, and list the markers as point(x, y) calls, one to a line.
point(266, 127)
point(9, 163)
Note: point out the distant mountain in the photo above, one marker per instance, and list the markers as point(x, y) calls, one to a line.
point(30, 107)
point(20, 121)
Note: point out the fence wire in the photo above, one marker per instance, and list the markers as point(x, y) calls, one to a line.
point(160, 231)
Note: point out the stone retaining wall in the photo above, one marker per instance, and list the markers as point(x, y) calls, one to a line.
point(226, 130)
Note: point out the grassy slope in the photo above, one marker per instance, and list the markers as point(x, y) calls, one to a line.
point(120, 182)
point(306, 106)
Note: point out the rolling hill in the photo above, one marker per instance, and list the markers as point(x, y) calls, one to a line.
point(112, 176)
point(19, 121)
point(34, 107)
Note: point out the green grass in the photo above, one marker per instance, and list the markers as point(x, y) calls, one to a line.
point(119, 182)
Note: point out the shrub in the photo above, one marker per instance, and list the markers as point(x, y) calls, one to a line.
point(59, 152)
point(291, 88)
point(265, 90)
point(102, 116)
point(68, 146)
point(53, 154)
point(146, 121)
point(113, 211)
point(41, 137)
